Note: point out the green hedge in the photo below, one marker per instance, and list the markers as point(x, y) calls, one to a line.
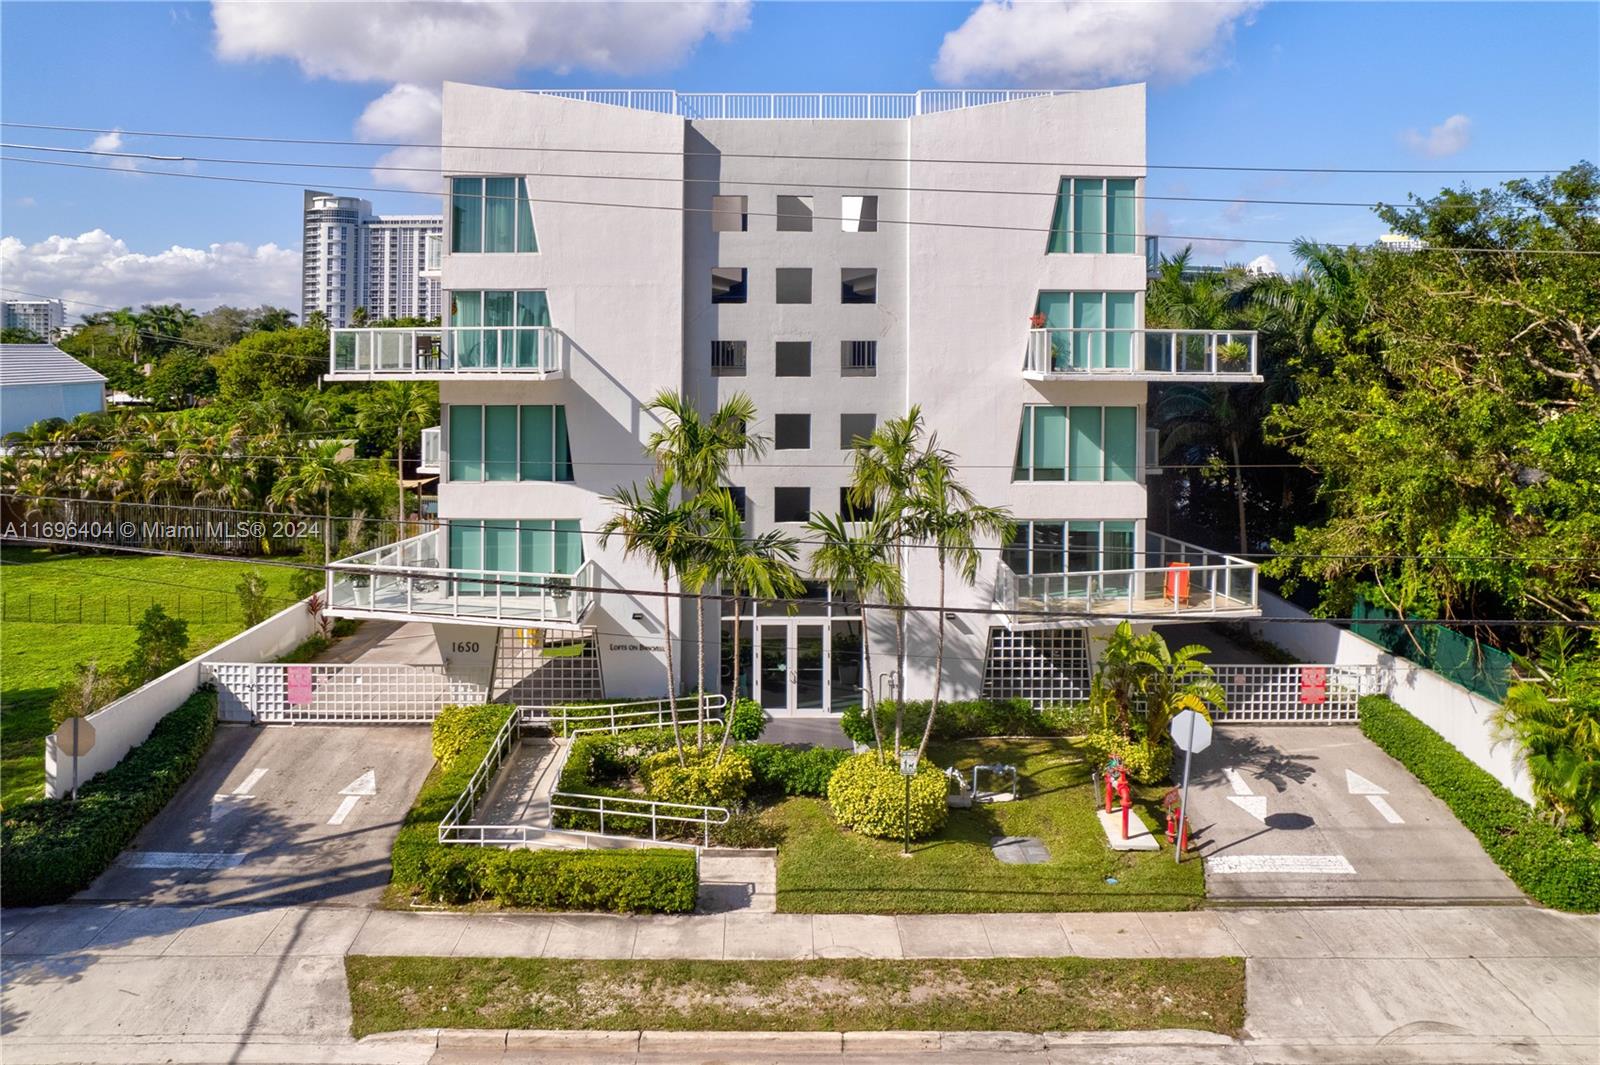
point(870, 797)
point(963, 718)
point(622, 881)
point(1559, 869)
point(788, 770)
point(51, 848)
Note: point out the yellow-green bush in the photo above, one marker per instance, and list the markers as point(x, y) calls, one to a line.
point(1147, 765)
point(701, 782)
point(869, 796)
point(459, 727)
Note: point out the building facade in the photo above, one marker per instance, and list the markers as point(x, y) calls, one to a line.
point(40, 381)
point(45, 319)
point(387, 265)
point(841, 260)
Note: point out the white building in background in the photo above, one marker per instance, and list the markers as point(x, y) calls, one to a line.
point(1399, 242)
point(46, 319)
point(40, 381)
point(759, 244)
point(387, 264)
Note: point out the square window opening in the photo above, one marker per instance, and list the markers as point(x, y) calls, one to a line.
point(728, 284)
point(791, 432)
point(858, 358)
point(849, 510)
point(858, 214)
point(794, 284)
point(791, 505)
point(794, 214)
point(855, 429)
point(728, 358)
point(729, 214)
point(794, 358)
point(858, 285)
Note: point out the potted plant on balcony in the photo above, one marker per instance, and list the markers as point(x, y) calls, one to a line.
point(1036, 321)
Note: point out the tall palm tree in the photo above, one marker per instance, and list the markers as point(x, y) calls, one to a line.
point(883, 480)
point(859, 555)
point(944, 512)
point(651, 524)
point(408, 407)
point(316, 474)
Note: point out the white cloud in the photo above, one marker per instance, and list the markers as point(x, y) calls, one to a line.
point(1082, 43)
point(478, 42)
point(97, 268)
point(405, 113)
point(1447, 138)
point(112, 142)
point(1262, 264)
point(25, 201)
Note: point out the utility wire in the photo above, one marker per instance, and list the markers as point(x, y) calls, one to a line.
point(684, 153)
point(773, 214)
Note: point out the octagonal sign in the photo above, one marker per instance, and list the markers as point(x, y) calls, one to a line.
point(1191, 732)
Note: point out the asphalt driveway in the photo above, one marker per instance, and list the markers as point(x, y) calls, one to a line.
point(278, 815)
point(1293, 813)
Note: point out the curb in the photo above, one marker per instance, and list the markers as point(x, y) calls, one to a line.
point(840, 1043)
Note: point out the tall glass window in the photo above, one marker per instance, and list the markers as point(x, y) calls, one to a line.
point(1092, 216)
point(509, 443)
point(491, 214)
point(1089, 330)
point(1048, 547)
point(1077, 443)
point(498, 327)
point(504, 546)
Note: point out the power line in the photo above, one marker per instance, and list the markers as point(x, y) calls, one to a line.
point(687, 154)
point(893, 608)
point(773, 214)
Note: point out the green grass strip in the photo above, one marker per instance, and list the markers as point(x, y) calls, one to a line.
point(1005, 994)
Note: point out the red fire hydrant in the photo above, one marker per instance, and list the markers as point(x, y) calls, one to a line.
point(1172, 803)
point(1126, 795)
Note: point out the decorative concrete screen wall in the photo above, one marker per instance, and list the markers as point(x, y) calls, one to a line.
point(124, 724)
point(1460, 716)
point(330, 693)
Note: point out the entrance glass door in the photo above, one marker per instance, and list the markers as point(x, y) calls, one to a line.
point(772, 667)
point(791, 666)
point(808, 665)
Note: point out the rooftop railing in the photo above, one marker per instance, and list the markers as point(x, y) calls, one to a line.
point(407, 580)
point(798, 105)
point(1173, 578)
point(1153, 354)
point(529, 352)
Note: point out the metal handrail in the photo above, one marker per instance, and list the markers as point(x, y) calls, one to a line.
point(661, 711)
point(523, 350)
point(483, 775)
point(798, 105)
point(1175, 353)
point(1164, 557)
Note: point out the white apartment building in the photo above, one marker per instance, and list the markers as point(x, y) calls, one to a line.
point(840, 259)
point(387, 264)
point(46, 319)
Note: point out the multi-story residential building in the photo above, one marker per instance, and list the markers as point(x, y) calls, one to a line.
point(840, 259)
point(45, 319)
point(385, 264)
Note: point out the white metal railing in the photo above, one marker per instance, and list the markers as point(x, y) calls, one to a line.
point(1295, 693)
point(613, 717)
point(406, 578)
point(530, 351)
point(1162, 353)
point(1174, 578)
point(800, 105)
point(429, 463)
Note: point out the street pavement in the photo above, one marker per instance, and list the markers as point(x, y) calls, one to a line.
point(278, 815)
point(1318, 812)
point(125, 983)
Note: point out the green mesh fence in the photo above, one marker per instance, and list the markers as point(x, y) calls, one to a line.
point(1447, 652)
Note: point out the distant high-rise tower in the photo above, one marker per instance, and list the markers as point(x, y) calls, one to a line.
point(387, 264)
point(44, 318)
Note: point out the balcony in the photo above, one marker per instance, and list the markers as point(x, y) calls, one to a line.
point(429, 463)
point(451, 353)
point(405, 582)
point(1179, 355)
point(1177, 581)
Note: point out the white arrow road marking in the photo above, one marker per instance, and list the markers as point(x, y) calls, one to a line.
point(1236, 782)
point(365, 784)
point(1380, 804)
point(181, 860)
point(222, 805)
point(1360, 785)
point(1254, 805)
point(249, 782)
point(1330, 864)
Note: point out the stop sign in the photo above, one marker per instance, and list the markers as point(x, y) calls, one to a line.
point(1191, 732)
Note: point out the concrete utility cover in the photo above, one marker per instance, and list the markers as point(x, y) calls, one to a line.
point(1020, 850)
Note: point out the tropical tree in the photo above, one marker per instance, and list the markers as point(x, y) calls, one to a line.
point(1172, 682)
point(857, 555)
point(945, 514)
point(406, 408)
point(1117, 677)
point(316, 475)
point(667, 533)
point(1553, 714)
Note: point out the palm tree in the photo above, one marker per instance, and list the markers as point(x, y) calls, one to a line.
point(1553, 714)
point(651, 524)
point(883, 481)
point(406, 406)
point(944, 513)
point(858, 555)
point(1172, 682)
point(1118, 676)
point(317, 474)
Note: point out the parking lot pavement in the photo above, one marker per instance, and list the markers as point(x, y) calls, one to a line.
point(1319, 813)
point(276, 816)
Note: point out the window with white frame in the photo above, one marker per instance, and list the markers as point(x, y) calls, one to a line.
point(1042, 547)
point(1078, 443)
point(1094, 215)
point(491, 214)
point(505, 442)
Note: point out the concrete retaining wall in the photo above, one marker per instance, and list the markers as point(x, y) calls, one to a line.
point(1459, 715)
point(124, 724)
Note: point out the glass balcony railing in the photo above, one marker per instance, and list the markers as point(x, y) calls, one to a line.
point(405, 580)
point(522, 351)
point(1142, 354)
point(1174, 578)
point(429, 463)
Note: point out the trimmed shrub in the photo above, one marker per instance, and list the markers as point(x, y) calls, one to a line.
point(1559, 869)
point(614, 881)
point(464, 734)
point(747, 721)
point(958, 719)
point(702, 782)
point(1146, 764)
point(869, 796)
point(51, 848)
point(459, 727)
point(789, 769)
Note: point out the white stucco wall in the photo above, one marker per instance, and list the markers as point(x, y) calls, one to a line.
point(23, 405)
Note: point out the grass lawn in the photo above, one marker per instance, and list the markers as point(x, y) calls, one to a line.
point(1010, 994)
point(37, 656)
point(824, 869)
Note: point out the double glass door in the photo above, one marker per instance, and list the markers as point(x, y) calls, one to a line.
point(791, 666)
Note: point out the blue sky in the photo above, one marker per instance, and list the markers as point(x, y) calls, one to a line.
point(1309, 84)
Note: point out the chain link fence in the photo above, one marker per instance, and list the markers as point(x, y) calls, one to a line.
point(93, 608)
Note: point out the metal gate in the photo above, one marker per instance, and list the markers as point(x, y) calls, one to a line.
point(1296, 694)
point(336, 693)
